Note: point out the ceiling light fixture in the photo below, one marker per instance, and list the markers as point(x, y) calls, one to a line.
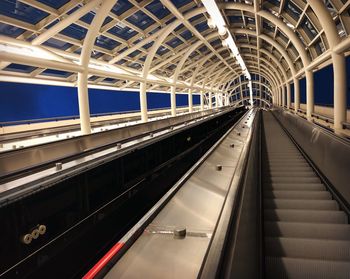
point(216, 20)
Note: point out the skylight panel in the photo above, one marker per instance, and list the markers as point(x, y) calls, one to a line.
point(121, 6)
point(56, 4)
point(140, 20)
point(157, 8)
point(11, 31)
point(20, 11)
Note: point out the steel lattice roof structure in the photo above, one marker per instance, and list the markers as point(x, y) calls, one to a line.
point(167, 45)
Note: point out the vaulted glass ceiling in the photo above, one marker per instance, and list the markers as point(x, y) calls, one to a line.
point(132, 26)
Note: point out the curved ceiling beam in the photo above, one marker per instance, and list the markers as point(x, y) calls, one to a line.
point(83, 97)
point(184, 51)
point(253, 81)
point(267, 75)
point(271, 68)
point(178, 69)
point(152, 52)
point(339, 63)
point(277, 22)
point(190, 66)
point(272, 42)
point(268, 54)
point(266, 70)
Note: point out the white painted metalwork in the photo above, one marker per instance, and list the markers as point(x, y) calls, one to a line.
point(265, 39)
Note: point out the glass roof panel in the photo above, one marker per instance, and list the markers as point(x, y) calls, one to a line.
point(75, 31)
point(157, 8)
point(20, 68)
point(121, 6)
point(105, 42)
point(180, 3)
point(57, 44)
point(174, 42)
point(56, 4)
point(140, 20)
point(9, 30)
point(20, 11)
point(55, 73)
point(122, 31)
point(292, 10)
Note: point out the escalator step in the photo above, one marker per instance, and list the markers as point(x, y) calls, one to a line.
point(335, 250)
point(302, 195)
point(289, 168)
point(308, 216)
point(300, 204)
point(291, 268)
point(288, 163)
point(307, 230)
point(295, 187)
point(292, 173)
point(314, 179)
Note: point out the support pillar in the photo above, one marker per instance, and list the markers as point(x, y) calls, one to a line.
point(83, 92)
point(190, 101)
point(288, 95)
point(296, 95)
point(143, 102)
point(309, 94)
point(173, 101)
point(83, 100)
point(202, 100)
point(210, 101)
point(340, 90)
point(283, 96)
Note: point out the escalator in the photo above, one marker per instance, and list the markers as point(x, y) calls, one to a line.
point(306, 234)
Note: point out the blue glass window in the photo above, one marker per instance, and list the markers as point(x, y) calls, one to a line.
point(9, 30)
point(20, 11)
point(106, 43)
point(56, 73)
point(157, 8)
point(19, 68)
point(141, 20)
point(122, 31)
point(57, 44)
point(74, 31)
point(56, 4)
point(121, 7)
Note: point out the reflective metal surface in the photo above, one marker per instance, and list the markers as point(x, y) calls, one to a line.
point(196, 207)
point(30, 182)
point(17, 160)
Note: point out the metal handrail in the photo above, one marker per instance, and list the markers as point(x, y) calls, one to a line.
point(74, 117)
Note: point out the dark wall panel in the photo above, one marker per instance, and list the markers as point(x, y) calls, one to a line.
point(348, 80)
point(323, 82)
point(302, 83)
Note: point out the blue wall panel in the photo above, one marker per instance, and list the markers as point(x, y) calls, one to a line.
point(182, 100)
point(31, 101)
point(292, 92)
point(105, 101)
